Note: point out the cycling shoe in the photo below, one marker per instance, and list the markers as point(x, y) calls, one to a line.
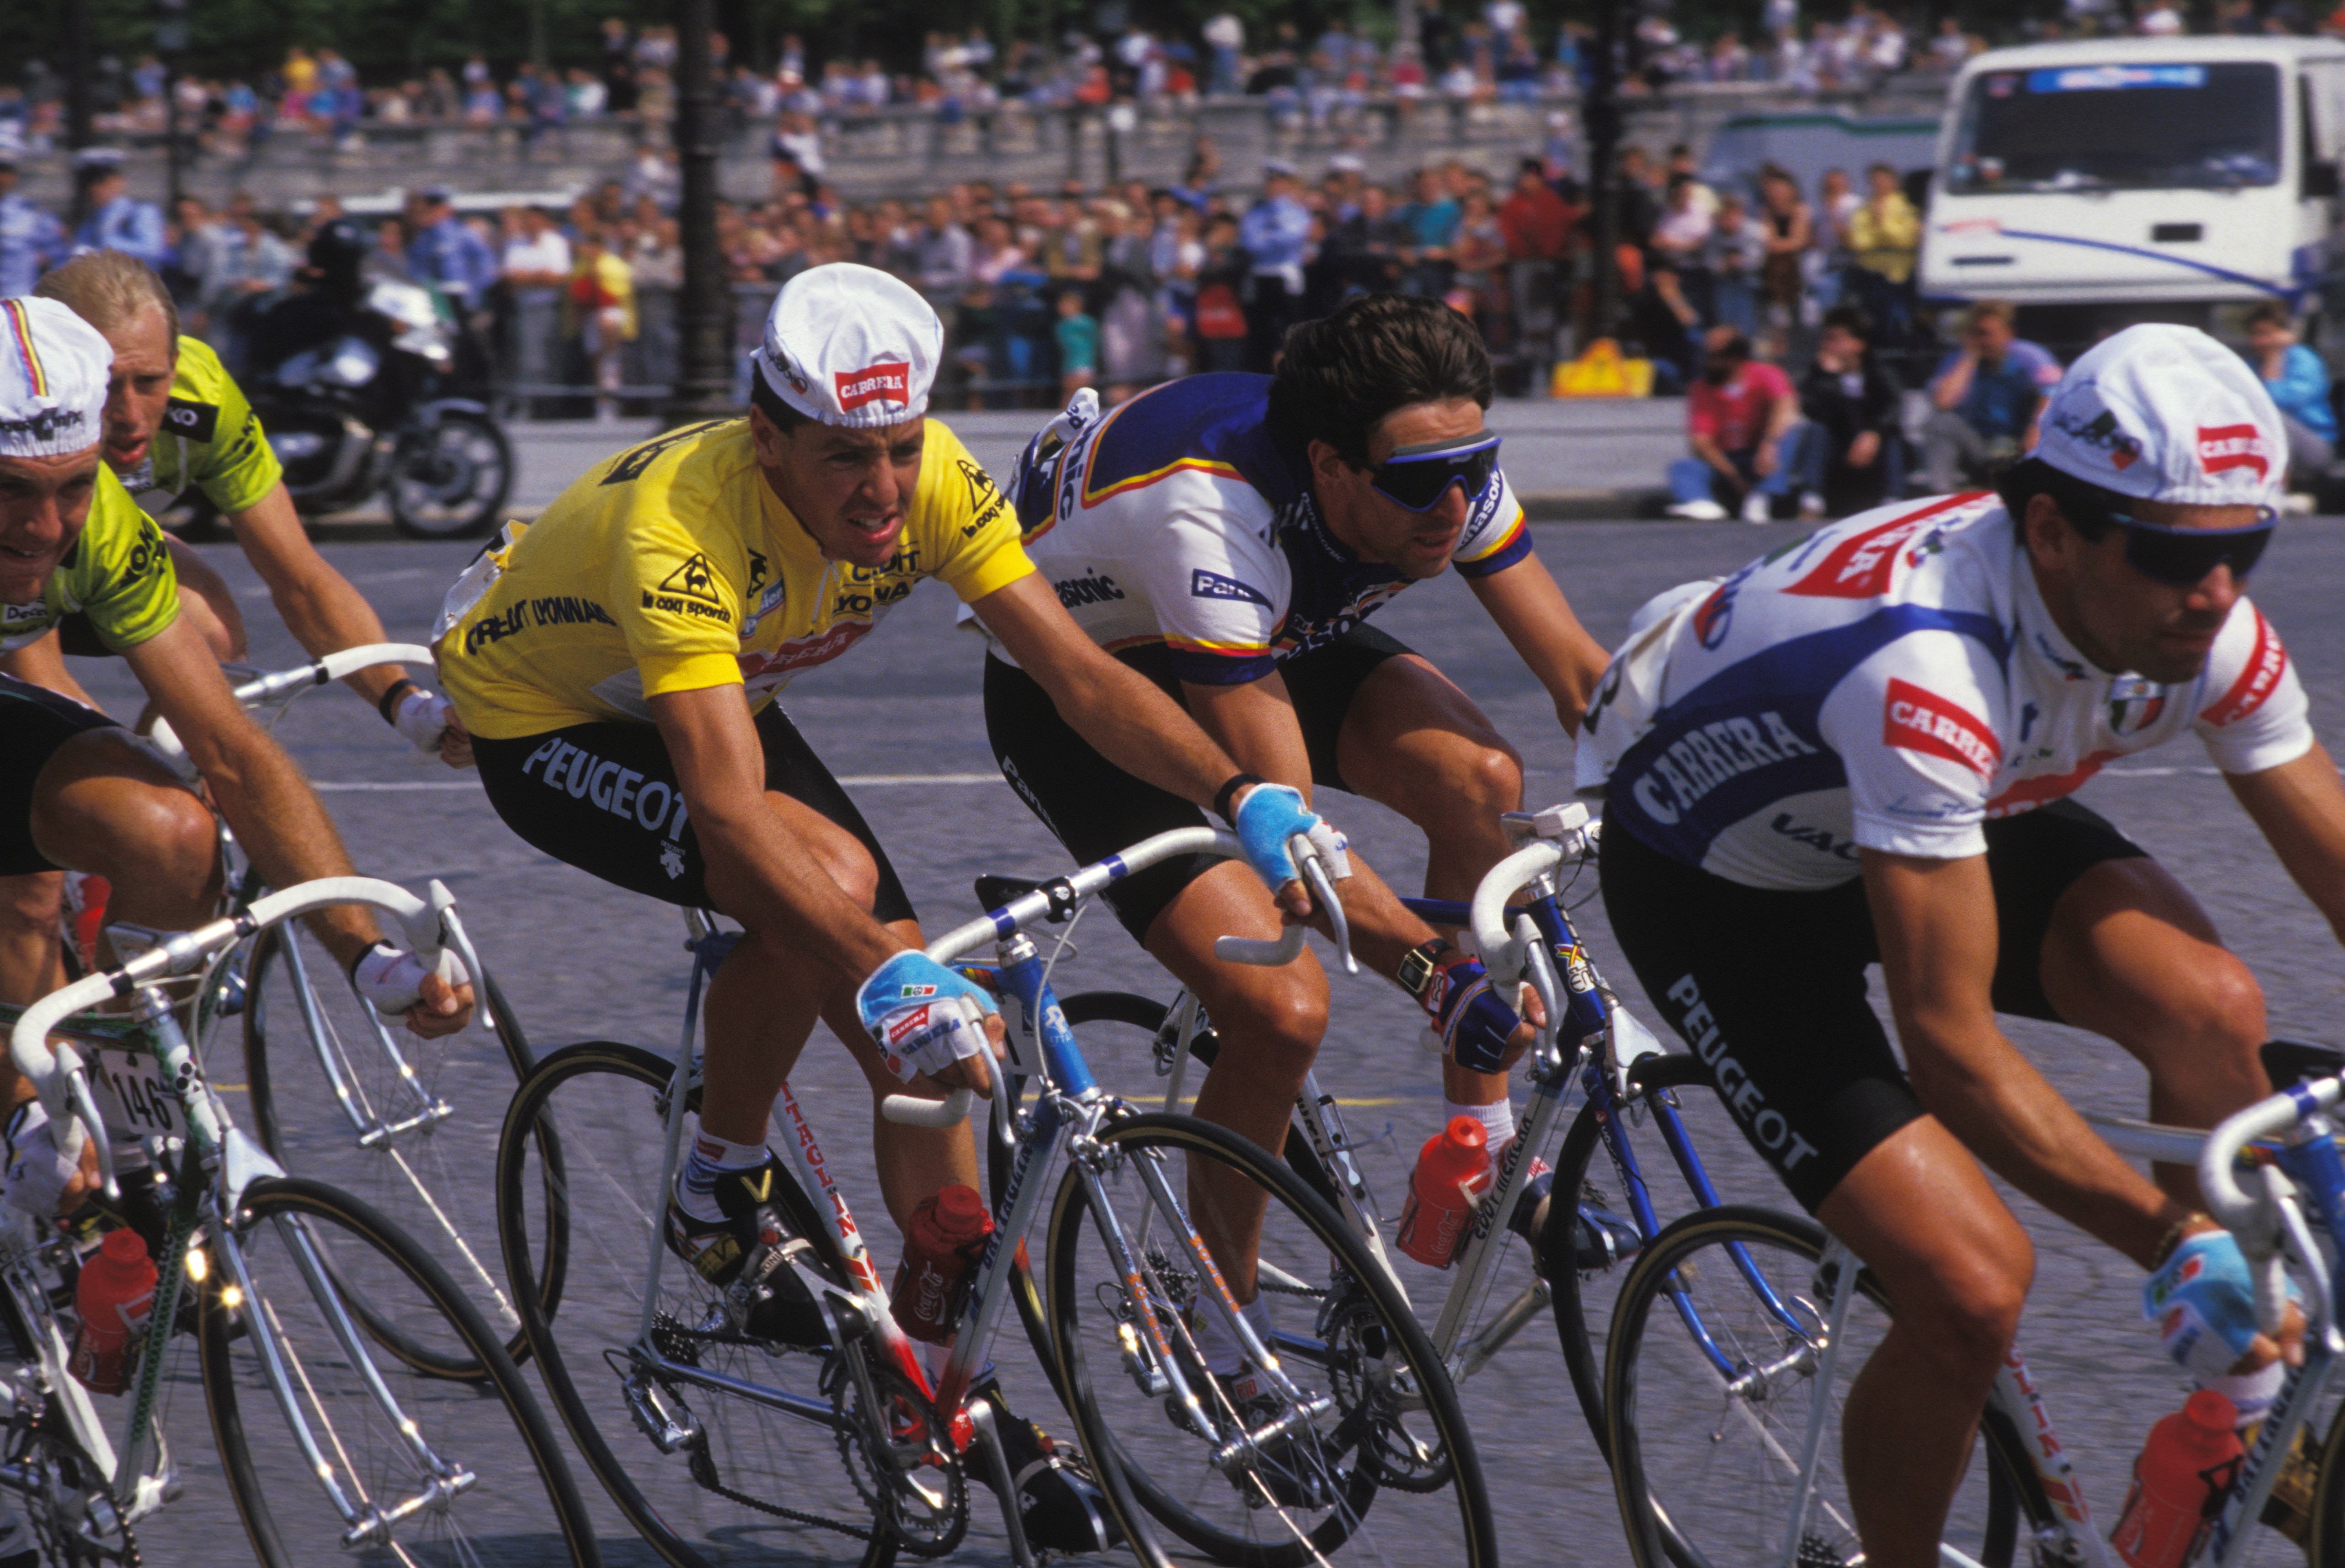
point(751, 1243)
point(1058, 1501)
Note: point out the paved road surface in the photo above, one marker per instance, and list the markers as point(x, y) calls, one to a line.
point(582, 960)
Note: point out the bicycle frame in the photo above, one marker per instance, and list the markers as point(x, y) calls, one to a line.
point(216, 1162)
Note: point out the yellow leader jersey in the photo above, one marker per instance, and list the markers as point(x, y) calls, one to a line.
point(673, 566)
point(118, 573)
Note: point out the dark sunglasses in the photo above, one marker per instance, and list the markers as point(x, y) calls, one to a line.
point(2182, 557)
point(1417, 477)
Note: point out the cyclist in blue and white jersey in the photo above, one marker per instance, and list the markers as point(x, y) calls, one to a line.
point(1229, 535)
point(1861, 747)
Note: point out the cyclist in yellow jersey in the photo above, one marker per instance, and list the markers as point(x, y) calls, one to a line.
point(76, 793)
point(616, 665)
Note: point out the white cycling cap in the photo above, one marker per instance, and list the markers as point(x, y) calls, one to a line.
point(850, 345)
point(2167, 413)
point(53, 372)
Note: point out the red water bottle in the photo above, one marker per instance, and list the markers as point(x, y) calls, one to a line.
point(114, 1297)
point(2179, 1482)
point(946, 1236)
point(1453, 1173)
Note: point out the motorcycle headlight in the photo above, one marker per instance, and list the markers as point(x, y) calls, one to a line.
point(292, 446)
point(353, 363)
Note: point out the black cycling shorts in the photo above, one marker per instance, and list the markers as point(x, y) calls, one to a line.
point(34, 722)
point(1768, 987)
point(603, 797)
point(1096, 808)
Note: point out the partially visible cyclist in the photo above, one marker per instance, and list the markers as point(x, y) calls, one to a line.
point(1861, 747)
point(76, 792)
point(176, 419)
point(1227, 536)
point(618, 664)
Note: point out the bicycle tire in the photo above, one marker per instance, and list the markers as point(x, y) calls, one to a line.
point(1336, 1466)
point(427, 1181)
point(1671, 1533)
point(1581, 1148)
point(301, 1212)
point(530, 1124)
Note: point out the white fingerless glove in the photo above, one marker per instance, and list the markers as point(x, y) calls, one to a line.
point(37, 1169)
point(422, 717)
point(393, 979)
point(923, 1015)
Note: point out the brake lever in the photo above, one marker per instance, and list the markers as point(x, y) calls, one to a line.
point(1316, 878)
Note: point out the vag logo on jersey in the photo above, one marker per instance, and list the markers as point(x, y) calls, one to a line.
point(1204, 584)
point(1816, 838)
point(1097, 589)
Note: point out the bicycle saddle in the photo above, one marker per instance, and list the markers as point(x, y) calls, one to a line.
point(2290, 1062)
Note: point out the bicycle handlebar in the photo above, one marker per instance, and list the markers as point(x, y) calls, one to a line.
point(277, 684)
point(2256, 1217)
point(1053, 898)
point(57, 1080)
point(1502, 955)
point(1270, 954)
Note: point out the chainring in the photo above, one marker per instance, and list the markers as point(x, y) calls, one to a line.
point(1361, 1369)
point(901, 1458)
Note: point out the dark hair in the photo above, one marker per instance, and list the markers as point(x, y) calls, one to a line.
point(2277, 314)
point(1851, 319)
point(2086, 505)
point(1342, 373)
point(1736, 346)
point(766, 401)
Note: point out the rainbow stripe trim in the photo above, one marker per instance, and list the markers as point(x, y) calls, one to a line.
point(20, 327)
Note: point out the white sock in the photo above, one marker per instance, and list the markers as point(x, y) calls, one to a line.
point(2251, 1394)
point(1217, 1339)
point(1497, 1120)
point(709, 1159)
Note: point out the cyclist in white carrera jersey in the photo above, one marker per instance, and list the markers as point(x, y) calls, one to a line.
point(1228, 535)
point(1861, 748)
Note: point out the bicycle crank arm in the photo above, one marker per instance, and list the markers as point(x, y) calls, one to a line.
point(1234, 1454)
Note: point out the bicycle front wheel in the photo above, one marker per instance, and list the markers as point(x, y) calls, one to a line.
point(1734, 1340)
point(371, 1452)
point(1277, 1471)
point(711, 1443)
point(407, 1126)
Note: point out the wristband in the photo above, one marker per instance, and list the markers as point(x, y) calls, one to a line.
point(388, 704)
point(1418, 965)
point(378, 943)
point(1221, 795)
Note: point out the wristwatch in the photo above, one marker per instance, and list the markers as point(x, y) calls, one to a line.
point(1418, 965)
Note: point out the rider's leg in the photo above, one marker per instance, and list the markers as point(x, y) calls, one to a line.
point(1270, 1021)
point(104, 804)
point(1926, 1220)
point(1412, 741)
point(2120, 948)
point(915, 1162)
point(32, 960)
point(2131, 955)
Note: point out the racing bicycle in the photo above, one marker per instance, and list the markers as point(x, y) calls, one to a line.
point(707, 1411)
point(421, 1445)
point(1737, 1330)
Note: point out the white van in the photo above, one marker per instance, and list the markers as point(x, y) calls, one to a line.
point(2140, 178)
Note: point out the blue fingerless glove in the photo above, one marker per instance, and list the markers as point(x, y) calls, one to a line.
point(912, 1009)
point(2204, 1303)
point(1474, 1024)
point(1270, 815)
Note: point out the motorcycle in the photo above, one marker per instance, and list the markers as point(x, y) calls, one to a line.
point(368, 412)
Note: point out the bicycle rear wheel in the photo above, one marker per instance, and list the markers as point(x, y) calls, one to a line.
point(430, 1469)
point(773, 1461)
point(1707, 1431)
point(406, 1124)
point(1370, 1417)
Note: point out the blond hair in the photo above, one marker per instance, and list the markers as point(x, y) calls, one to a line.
point(109, 287)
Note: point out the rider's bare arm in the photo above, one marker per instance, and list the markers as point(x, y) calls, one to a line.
point(758, 871)
point(207, 601)
point(276, 815)
point(42, 663)
point(319, 606)
point(1936, 925)
point(2300, 807)
point(1527, 605)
